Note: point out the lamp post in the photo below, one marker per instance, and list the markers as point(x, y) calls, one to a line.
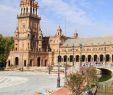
point(22, 63)
point(73, 54)
point(80, 55)
point(66, 65)
point(59, 60)
point(105, 56)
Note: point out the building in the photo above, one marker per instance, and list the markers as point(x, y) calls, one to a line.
point(32, 49)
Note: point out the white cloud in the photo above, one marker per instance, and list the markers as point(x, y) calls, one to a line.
point(74, 15)
point(7, 20)
point(77, 18)
point(47, 25)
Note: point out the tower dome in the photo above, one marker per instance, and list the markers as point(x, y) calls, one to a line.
point(59, 31)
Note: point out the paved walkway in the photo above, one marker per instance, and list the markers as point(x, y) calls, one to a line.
point(26, 83)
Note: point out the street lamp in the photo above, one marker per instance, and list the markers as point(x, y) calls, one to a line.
point(22, 63)
point(59, 60)
point(80, 55)
point(66, 65)
point(105, 56)
point(73, 54)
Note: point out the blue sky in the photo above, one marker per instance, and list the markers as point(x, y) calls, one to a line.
point(90, 18)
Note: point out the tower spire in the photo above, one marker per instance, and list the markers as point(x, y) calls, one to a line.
point(29, 7)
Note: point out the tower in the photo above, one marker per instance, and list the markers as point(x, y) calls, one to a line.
point(26, 36)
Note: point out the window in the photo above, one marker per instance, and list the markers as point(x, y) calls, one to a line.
point(83, 58)
point(71, 58)
point(107, 58)
point(77, 58)
point(59, 58)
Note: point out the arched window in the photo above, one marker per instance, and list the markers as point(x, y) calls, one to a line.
point(26, 10)
point(16, 49)
point(38, 61)
point(89, 58)
point(83, 58)
point(71, 58)
point(95, 58)
point(16, 61)
point(107, 58)
point(9, 63)
point(25, 63)
point(101, 58)
point(112, 58)
point(30, 64)
point(59, 58)
point(65, 58)
point(77, 58)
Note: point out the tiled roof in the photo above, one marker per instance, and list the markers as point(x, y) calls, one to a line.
point(89, 41)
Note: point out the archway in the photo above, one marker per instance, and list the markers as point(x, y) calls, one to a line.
point(83, 58)
point(101, 58)
point(107, 58)
point(89, 58)
point(38, 61)
point(30, 63)
point(95, 58)
point(112, 58)
point(16, 61)
point(45, 63)
point(59, 58)
point(77, 58)
point(71, 58)
point(25, 63)
point(9, 63)
point(65, 58)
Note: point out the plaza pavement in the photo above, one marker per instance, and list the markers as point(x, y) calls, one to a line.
point(26, 83)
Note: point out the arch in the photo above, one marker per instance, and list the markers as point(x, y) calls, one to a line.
point(77, 58)
point(38, 61)
point(95, 58)
point(45, 63)
point(107, 57)
point(59, 58)
point(83, 58)
point(33, 10)
point(101, 58)
point(112, 58)
point(65, 58)
point(71, 58)
point(9, 64)
point(89, 58)
point(16, 48)
point(26, 10)
point(30, 64)
point(25, 63)
point(16, 61)
point(21, 11)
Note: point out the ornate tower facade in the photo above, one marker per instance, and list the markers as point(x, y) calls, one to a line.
point(27, 33)
point(28, 38)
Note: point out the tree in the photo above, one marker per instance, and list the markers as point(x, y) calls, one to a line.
point(6, 44)
point(82, 80)
point(75, 81)
point(91, 76)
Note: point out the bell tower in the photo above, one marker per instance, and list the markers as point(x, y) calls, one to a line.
point(26, 35)
point(28, 38)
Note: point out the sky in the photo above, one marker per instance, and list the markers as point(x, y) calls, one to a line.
point(89, 18)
